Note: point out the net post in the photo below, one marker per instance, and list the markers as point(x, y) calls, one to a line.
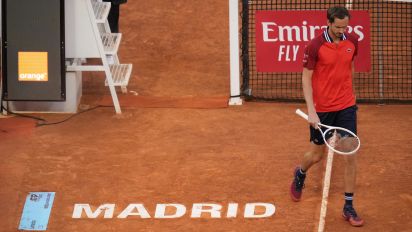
point(245, 49)
point(234, 53)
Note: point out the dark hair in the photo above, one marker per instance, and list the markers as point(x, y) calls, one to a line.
point(339, 12)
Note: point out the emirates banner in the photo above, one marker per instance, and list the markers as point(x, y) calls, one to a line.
point(281, 38)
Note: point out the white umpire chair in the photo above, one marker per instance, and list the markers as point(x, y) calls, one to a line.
point(88, 35)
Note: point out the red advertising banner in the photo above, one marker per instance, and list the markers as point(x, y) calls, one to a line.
point(281, 38)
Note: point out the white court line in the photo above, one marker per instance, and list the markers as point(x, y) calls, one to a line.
point(326, 186)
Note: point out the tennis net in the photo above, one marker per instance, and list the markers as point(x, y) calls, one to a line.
point(389, 78)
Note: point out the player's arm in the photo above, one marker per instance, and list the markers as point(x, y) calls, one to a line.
point(313, 118)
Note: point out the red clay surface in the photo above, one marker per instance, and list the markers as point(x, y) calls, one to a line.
point(15, 126)
point(237, 154)
point(185, 155)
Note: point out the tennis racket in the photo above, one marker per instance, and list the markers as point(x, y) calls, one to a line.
point(345, 142)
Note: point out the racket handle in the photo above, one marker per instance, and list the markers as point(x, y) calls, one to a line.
point(303, 115)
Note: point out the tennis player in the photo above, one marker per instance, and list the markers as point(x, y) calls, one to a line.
point(328, 70)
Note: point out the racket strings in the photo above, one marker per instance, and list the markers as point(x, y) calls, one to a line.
point(344, 142)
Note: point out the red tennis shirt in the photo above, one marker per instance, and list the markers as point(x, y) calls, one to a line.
point(332, 71)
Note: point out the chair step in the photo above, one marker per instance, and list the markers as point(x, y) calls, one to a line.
point(120, 74)
point(111, 42)
point(101, 10)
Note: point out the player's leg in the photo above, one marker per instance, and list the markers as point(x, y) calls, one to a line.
point(347, 118)
point(314, 155)
point(350, 173)
point(317, 144)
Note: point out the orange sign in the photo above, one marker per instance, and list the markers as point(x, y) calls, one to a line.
point(33, 66)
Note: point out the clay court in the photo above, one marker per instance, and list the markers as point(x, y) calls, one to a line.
point(178, 142)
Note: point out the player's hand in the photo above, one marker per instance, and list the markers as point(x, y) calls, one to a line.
point(313, 119)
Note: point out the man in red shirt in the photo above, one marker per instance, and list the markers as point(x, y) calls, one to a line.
point(327, 85)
